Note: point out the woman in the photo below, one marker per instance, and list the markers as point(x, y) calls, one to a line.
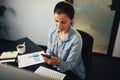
point(65, 44)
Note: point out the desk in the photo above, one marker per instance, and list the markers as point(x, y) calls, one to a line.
point(30, 47)
point(8, 72)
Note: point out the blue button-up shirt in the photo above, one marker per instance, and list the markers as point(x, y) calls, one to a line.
point(70, 52)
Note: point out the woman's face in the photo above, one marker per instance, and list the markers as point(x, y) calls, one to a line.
point(62, 22)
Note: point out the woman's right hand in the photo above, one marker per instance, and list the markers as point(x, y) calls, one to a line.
point(52, 61)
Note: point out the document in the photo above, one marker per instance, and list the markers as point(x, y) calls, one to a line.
point(30, 59)
point(52, 74)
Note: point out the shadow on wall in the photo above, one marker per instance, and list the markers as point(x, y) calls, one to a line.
point(3, 26)
point(2, 10)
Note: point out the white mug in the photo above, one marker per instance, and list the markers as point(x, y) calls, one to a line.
point(21, 48)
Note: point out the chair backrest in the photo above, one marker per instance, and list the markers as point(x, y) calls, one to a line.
point(86, 49)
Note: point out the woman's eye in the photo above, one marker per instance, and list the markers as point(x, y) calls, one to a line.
point(63, 22)
point(56, 21)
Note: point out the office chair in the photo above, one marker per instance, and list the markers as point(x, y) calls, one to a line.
point(87, 50)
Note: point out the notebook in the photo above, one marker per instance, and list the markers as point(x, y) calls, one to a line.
point(8, 56)
point(52, 74)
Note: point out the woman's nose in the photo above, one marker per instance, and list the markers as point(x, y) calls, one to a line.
point(59, 25)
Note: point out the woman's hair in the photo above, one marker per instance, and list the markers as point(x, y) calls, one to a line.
point(64, 8)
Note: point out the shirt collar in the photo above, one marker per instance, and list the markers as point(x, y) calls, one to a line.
point(68, 35)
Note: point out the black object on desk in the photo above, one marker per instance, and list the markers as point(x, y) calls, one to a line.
point(30, 45)
point(47, 56)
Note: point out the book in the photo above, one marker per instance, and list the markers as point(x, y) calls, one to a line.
point(52, 74)
point(8, 56)
point(30, 59)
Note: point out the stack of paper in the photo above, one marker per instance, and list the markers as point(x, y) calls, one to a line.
point(30, 59)
point(8, 56)
point(52, 74)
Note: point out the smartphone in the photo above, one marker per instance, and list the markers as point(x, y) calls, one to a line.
point(47, 56)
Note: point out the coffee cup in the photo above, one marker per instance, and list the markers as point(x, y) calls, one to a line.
point(21, 48)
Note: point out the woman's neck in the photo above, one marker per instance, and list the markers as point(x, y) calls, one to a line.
point(61, 35)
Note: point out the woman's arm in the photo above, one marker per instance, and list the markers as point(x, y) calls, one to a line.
point(73, 57)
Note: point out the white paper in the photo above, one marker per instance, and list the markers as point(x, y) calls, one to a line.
point(9, 60)
point(30, 59)
point(54, 75)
